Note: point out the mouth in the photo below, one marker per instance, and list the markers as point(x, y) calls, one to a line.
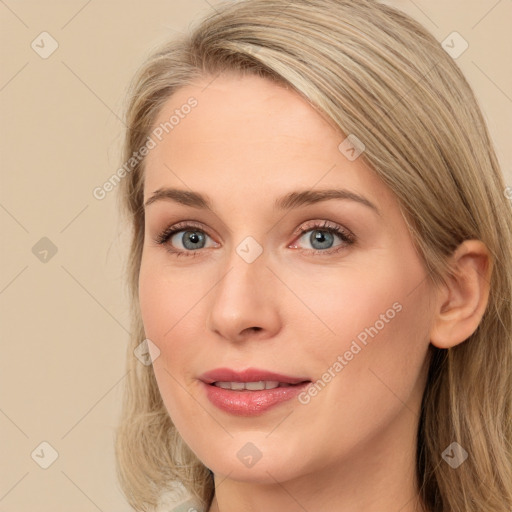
point(253, 386)
point(251, 377)
point(250, 392)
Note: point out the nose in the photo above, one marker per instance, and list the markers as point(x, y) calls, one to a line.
point(244, 303)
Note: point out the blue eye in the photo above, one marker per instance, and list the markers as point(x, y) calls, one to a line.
point(193, 238)
point(323, 237)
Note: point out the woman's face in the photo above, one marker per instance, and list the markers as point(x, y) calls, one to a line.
point(261, 280)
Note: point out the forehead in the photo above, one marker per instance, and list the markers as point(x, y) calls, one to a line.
point(250, 134)
point(249, 109)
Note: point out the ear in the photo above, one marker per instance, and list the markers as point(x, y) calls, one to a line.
point(461, 302)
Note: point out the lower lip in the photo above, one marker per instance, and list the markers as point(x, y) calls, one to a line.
point(251, 403)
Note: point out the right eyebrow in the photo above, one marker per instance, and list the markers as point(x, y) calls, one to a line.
point(185, 197)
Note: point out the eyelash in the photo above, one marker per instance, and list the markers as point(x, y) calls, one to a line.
point(346, 236)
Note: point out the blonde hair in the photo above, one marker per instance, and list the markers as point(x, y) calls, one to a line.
point(374, 72)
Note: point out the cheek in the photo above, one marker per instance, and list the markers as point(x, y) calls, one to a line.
point(170, 304)
point(382, 297)
point(154, 299)
point(380, 316)
point(166, 296)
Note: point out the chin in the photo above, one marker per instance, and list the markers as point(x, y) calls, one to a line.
point(248, 463)
point(260, 473)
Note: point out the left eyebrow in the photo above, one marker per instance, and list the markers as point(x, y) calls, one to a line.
point(306, 197)
point(289, 201)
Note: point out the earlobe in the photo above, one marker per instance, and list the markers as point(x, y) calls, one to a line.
point(462, 301)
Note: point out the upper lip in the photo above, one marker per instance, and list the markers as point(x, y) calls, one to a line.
point(248, 375)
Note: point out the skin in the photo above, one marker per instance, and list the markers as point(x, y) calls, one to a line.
point(352, 447)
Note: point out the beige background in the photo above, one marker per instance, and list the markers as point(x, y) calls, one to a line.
point(64, 321)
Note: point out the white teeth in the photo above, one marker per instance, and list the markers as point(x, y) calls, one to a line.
point(256, 386)
point(251, 386)
point(223, 385)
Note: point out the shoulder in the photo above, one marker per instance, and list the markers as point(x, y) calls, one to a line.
point(176, 498)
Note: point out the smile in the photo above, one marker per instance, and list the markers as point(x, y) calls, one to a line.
point(252, 386)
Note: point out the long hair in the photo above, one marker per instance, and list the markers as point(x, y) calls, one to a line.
point(374, 72)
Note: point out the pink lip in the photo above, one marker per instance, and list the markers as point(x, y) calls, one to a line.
point(245, 402)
